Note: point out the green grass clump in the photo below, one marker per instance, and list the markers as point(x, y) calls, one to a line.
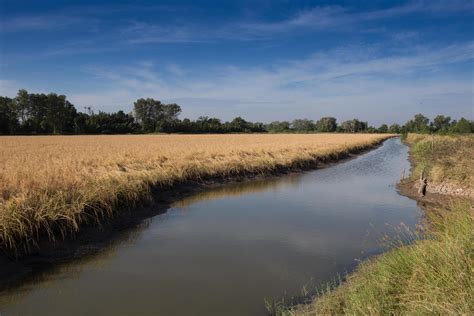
point(434, 275)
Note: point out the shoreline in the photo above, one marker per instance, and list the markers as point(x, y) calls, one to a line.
point(17, 269)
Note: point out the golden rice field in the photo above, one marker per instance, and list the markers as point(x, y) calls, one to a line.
point(51, 185)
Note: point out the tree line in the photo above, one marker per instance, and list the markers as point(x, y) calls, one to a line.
point(39, 113)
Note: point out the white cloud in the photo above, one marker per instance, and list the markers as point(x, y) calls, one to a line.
point(320, 18)
point(346, 82)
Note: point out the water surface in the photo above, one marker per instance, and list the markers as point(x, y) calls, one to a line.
point(221, 252)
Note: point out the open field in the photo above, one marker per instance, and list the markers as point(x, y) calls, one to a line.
point(51, 185)
point(434, 275)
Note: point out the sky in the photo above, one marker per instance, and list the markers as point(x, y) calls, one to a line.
point(379, 61)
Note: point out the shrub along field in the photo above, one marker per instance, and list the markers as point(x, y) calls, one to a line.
point(52, 185)
point(434, 274)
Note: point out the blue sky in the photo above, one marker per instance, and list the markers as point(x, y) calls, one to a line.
point(380, 61)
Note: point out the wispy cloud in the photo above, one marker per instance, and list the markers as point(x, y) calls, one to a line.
point(320, 18)
point(344, 82)
point(115, 37)
point(88, 16)
point(41, 22)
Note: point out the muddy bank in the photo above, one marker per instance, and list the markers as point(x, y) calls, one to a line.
point(16, 268)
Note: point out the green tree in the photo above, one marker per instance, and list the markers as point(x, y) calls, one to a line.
point(463, 126)
point(278, 126)
point(326, 124)
point(302, 125)
point(395, 129)
point(8, 117)
point(383, 128)
point(41, 113)
point(153, 115)
point(353, 126)
point(441, 123)
point(59, 114)
point(419, 124)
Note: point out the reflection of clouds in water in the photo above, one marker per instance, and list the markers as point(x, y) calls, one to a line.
point(386, 161)
point(238, 189)
point(350, 175)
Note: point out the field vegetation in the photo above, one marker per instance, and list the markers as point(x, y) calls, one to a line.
point(431, 275)
point(52, 185)
point(444, 159)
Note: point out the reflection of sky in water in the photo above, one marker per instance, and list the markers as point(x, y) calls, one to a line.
point(223, 251)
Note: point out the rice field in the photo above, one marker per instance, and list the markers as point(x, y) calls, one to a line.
point(52, 185)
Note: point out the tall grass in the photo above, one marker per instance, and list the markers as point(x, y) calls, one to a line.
point(53, 185)
point(444, 158)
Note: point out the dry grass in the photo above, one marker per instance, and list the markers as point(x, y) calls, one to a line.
point(54, 184)
point(444, 159)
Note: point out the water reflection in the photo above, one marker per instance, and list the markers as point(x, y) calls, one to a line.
point(46, 275)
point(240, 188)
point(236, 245)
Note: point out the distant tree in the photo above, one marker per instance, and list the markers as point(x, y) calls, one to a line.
point(205, 124)
point(303, 125)
point(419, 124)
point(22, 105)
point(59, 114)
point(41, 113)
point(153, 115)
point(169, 116)
point(383, 128)
point(257, 127)
point(353, 126)
point(372, 129)
point(8, 118)
point(80, 124)
point(278, 126)
point(238, 125)
point(462, 126)
point(441, 123)
point(326, 124)
point(395, 129)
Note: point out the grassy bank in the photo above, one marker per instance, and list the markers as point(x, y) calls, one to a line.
point(446, 161)
point(434, 274)
point(53, 185)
